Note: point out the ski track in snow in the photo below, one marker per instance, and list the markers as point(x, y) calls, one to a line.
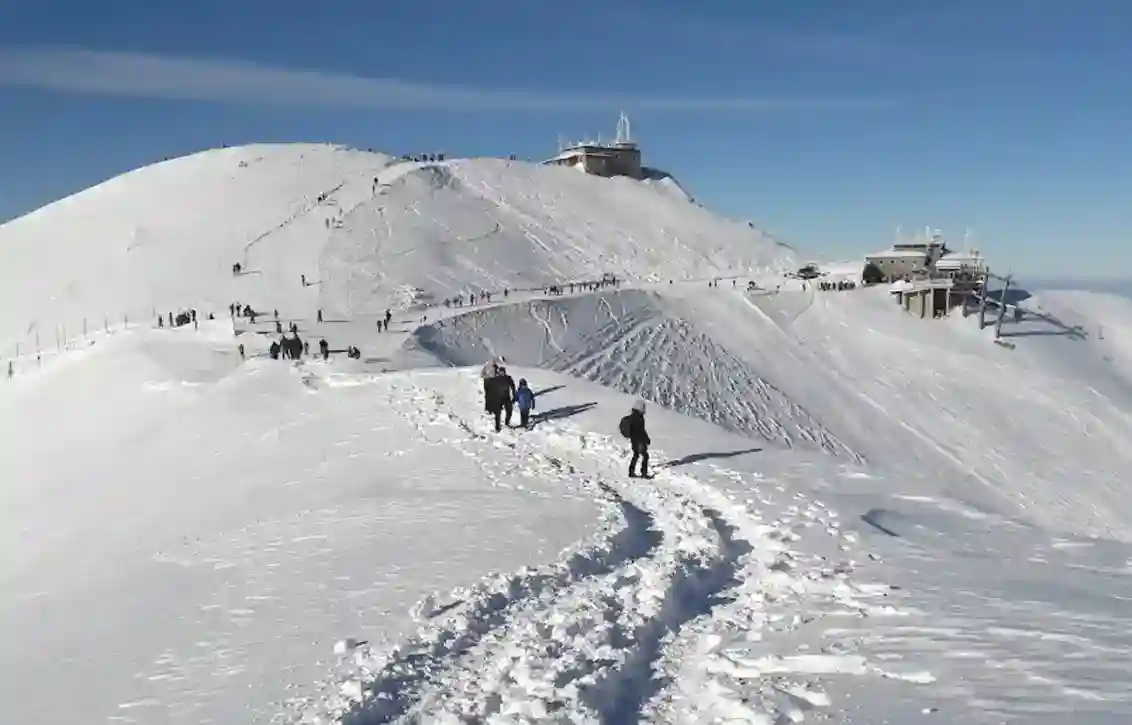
point(629, 625)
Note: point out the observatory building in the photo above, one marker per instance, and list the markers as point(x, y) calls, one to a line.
point(620, 158)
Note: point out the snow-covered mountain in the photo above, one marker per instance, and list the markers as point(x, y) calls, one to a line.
point(856, 514)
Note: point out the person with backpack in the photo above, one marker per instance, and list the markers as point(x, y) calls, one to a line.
point(525, 399)
point(633, 427)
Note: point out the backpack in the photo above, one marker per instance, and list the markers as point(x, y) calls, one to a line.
point(625, 425)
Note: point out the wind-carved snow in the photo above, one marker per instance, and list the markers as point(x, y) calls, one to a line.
point(629, 341)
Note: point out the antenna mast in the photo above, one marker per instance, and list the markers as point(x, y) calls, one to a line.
point(624, 129)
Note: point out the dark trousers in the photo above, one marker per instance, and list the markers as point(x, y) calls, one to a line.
point(486, 405)
point(524, 417)
point(641, 453)
point(502, 415)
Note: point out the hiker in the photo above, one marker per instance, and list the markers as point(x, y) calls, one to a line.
point(500, 396)
point(320, 316)
point(272, 351)
point(489, 371)
point(303, 277)
point(240, 347)
point(633, 427)
point(324, 348)
point(525, 399)
point(388, 317)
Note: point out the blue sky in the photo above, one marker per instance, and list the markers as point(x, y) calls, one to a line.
point(825, 125)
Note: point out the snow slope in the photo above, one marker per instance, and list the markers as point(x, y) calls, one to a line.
point(165, 237)
point(858, 516)
point(1035, 432)
point(484, 224)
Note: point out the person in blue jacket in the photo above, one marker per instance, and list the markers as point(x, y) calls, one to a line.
point(525, 399)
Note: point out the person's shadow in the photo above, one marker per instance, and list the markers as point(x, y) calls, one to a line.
point(695, 457)
point(564, 412)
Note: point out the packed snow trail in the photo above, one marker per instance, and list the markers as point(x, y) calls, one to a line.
point(584, 639)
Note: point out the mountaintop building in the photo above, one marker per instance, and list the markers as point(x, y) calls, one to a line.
point(620, 158)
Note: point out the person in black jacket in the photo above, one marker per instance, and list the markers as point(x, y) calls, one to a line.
point(639, 440)
point(501, 396)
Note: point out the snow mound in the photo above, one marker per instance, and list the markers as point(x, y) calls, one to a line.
point(632, 342)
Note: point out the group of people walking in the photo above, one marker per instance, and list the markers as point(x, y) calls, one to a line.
point(501, 396)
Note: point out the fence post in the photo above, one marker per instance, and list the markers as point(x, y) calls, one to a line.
point(84, 328)
point(126, 320)
point(1001, 308)
point(106, 323)
point(983, 299)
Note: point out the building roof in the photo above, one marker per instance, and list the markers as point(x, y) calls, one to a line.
point(579, 151)
point(898, 254)
point(958, 261)
point(919, 285)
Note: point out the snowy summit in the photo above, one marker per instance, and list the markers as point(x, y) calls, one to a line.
point(250, 473)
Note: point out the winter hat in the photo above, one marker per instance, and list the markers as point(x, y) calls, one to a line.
point(639, 406)
point(522, 381)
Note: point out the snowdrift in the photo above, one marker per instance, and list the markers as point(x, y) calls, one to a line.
point(184, 535)
point(630, 341)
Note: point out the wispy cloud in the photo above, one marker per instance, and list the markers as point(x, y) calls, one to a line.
point(75, 70)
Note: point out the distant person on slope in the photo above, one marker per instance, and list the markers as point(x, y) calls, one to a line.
point(525, 399)
point(633, 427)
